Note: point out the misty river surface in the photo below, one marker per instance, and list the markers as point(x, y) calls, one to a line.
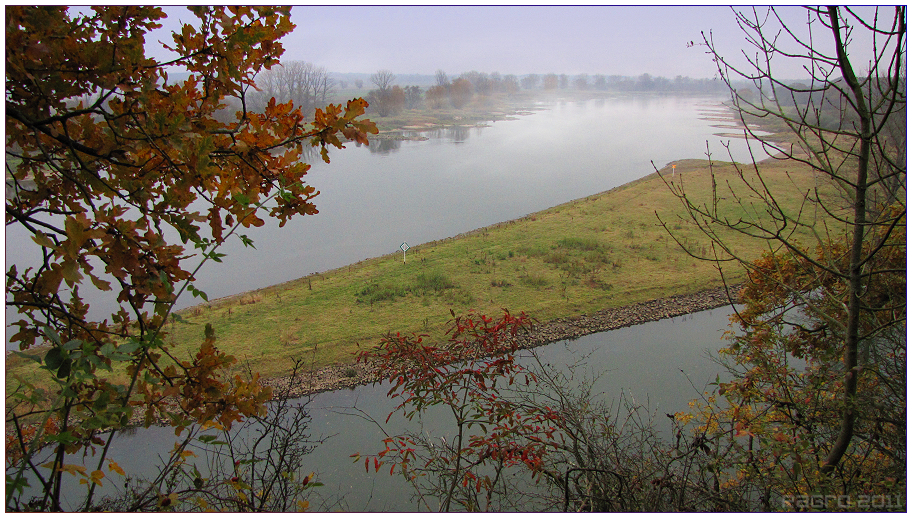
point(373, 198)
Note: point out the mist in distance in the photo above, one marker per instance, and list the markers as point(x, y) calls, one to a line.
point(611, 40)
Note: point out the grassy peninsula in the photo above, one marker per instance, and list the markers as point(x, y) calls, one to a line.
point(606, 250)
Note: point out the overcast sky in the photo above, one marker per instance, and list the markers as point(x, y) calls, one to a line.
point(506, 39)
point(629, 40)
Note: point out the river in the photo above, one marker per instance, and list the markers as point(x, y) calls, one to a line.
point(374, 198)
point(661, 365)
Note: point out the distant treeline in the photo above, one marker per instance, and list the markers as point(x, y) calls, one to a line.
point(389, 98)
point(643, 82)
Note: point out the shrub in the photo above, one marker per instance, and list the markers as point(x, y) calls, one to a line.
point(377, 293)
point(432, 282)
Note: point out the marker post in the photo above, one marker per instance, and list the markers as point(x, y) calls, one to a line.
point(403, 247)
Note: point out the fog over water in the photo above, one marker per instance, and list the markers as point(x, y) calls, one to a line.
point(372, 201)
point(625, 40)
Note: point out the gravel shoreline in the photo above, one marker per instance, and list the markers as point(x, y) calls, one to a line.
point(568, 328)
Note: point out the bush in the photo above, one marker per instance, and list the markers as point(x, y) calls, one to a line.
point(377, 293)
point(579, 243)
point(425, 283)
point(432, 282)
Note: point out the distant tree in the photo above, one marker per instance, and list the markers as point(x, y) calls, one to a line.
point(599, 82)
point(304, 84)
point(564, 81)
point(412, 96)
point(359, 84)
point(437, 96)
point(461, 92)
point(480, 81)
point(383, 79)
point(681, 82)
point(387, 102)
point(442, 79)
point(484, 85)
point(510, 84)
point(397, 99)
point(581, 82)
point(550, 82)
point(530, 81)
point(496, 82)
point(645, 83)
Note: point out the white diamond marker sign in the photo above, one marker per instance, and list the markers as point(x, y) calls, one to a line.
point(403, 247)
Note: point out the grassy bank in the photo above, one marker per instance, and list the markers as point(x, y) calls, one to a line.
point(606, 250)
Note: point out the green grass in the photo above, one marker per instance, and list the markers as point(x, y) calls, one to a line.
point(602, 251)
point(605, 250)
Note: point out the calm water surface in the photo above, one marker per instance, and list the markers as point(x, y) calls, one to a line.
point(374, 198)
point(662, 365)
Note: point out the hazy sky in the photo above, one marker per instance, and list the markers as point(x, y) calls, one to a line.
point(629, 40)
point(506, 39)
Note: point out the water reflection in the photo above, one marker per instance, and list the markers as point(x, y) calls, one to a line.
point(451, 134)
point(384, 146)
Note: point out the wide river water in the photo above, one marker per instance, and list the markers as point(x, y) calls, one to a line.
point(661, 365)
point(373, 198)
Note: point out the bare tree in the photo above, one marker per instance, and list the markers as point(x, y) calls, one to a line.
point(846, 120)
point(383, 79)
point(442, 79)
point(305, 84)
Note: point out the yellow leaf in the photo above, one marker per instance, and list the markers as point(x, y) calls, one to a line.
point(71, 272)
point(72, 469)
point(303, 505)
point(116, 469)
point(43, 240)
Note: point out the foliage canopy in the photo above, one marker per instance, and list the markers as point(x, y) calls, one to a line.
point(127, 179)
